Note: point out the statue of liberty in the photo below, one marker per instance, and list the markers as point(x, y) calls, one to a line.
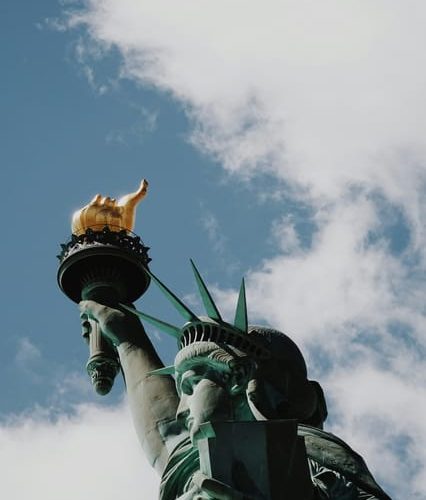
point(235, 416)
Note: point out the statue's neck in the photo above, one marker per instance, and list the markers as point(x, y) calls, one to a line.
point(240, 409)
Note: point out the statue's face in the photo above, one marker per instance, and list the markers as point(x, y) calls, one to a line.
point(209, 390)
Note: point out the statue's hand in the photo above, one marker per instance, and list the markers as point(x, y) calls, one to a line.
point(208, 488)
point(117, 325)
point(106, 211)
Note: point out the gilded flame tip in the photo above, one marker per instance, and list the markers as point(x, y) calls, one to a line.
point(105, 211)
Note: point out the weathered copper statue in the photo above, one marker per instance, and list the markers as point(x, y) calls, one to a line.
point(224, 373)
point(236, 416)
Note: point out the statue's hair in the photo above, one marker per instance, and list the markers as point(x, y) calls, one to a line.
point(220, 353)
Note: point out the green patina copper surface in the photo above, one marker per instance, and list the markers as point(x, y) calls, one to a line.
point(250, 377)
point(235, 417)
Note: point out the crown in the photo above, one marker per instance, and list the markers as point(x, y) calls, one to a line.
point(211, 329)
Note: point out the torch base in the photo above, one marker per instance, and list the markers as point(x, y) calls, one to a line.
point(104, 257)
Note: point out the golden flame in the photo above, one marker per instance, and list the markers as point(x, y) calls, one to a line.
point(106, 211)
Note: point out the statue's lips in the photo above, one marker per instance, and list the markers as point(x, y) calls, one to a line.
point(192, 428)
point(189, 423)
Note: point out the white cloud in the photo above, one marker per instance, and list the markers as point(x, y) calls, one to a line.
point(92, 454)
point(391, 439)
point(304, 75)
point(286, 235)
point(329, 98)
point(338, 280)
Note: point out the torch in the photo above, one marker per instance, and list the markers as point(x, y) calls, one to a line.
point(106, 262)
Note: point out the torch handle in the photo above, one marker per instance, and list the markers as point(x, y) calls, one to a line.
point(102, 365)
point(97, 343)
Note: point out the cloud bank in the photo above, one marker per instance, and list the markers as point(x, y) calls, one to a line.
point(91, 454)
point(327, 97)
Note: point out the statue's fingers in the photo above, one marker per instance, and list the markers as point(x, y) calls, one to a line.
point(86, 327)
point(91, 310)
point(85, 309)
point(217, 489)
point(96, 199)
point(108, 202)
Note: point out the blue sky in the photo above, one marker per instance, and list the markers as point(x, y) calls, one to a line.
point(283, 142)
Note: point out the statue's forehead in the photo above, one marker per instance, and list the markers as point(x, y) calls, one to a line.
point(211, 356)
point(193, 361)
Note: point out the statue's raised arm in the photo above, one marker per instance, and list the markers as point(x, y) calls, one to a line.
point(153, 400)
point(105, 265)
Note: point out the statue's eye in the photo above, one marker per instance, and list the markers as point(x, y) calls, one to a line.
point(186, 387)
point(219, 377)
point(188, 382)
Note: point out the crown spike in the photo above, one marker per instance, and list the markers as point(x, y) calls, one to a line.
point(182, 309)
point(166, 370)
point(172, 330)
point(209, 305)
point(240, 320)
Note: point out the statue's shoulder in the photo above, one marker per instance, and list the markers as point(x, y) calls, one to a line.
point(333, 453)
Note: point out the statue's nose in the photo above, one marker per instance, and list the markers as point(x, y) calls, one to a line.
point(182, 411)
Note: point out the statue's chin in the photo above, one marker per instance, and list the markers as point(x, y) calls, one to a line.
point(194, 424)
point(194, 430)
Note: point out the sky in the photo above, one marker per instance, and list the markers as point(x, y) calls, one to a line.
point(283, 141)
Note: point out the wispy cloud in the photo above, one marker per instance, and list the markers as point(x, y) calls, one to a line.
point(146, 124)
point(87, 55)
point(218, 240)
point(65, 388)
point(211, 226)
point(28, 359)
point(69, 388)
point(27, 352)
